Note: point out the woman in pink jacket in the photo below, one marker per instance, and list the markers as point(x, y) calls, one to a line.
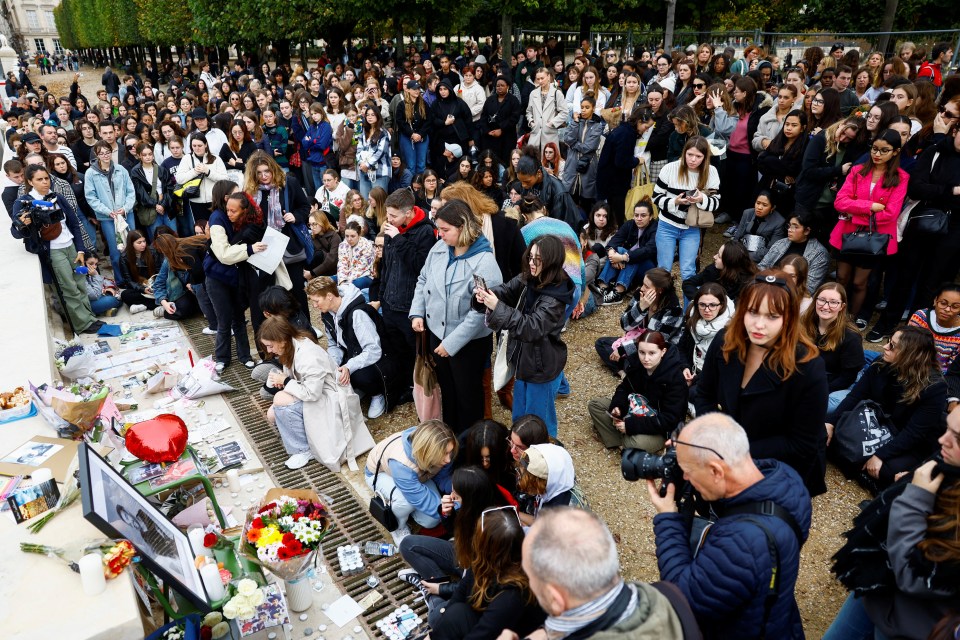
point(875, 188)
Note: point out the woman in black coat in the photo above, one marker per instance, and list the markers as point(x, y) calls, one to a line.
point(906, 382)
point(617, 162)
point(764, 373)
point(660, 381)
point(450, 121)
point(499, 119)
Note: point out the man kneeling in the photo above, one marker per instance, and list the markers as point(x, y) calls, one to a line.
point(355, 340)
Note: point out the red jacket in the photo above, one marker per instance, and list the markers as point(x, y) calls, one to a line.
point(855, 198)
point(932, 71)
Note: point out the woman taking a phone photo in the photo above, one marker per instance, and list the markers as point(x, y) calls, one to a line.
point(532, 308)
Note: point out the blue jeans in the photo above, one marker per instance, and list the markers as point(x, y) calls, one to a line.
point(401, 506)
point(293, 434)
point(186, 222)
point(366, 185)
point(110, 236)
point(163, 221)
point(363, 282)
point(625, 276)
point(316, 171)
point(414, 154)
point(668, 236)
point(104, 303)
point(852, 623)
point(200, 291)
point(538, 399)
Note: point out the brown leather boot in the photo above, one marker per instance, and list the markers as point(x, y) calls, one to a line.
point(487, 382)
point(505, 396)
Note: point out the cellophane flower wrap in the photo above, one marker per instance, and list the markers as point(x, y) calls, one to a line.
point(284, 533)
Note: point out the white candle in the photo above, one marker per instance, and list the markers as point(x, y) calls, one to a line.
point(210, 574)
point(233, 479)
point(195, 535)
point(41, 475)
point(91, 574)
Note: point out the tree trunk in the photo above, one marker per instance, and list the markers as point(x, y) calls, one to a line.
point(282, 48)
point(586, 22)
point(506, 34)
point(335, 35)
point(428, 33)
point(668, 30)
point(303, 54)
point(889, 13)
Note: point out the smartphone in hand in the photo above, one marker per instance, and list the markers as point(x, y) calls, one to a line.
point(479, 282)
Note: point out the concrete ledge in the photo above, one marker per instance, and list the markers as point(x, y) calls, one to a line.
point(25, 327)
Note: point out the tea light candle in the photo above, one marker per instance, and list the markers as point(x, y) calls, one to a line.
point(210, 574)
point(233, 479)
point(91, 574)
point(41, 475)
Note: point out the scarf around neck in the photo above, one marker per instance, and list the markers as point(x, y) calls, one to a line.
point(274, 210)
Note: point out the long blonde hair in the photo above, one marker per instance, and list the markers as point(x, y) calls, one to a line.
point(429, 447)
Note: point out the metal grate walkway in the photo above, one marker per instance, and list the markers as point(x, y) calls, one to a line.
point(354, 525)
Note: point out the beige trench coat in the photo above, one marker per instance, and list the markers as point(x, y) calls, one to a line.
point(332, 416)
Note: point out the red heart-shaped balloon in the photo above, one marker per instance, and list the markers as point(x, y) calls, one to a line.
point(160, 439)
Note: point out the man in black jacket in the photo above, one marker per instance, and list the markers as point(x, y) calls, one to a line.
point(111, 82)
point(409, 238)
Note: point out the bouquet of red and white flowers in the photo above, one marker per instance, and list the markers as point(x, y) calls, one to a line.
point(285, 531)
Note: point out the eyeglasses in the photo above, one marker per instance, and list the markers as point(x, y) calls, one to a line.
point(699, 85)
point(891, 345)
point(516, 447)
point(675, 440)
point(879, 151)
point(708, 306)
point(943, 304)
point(830, 304)
point(817, 101)
point(509, 507)
point(535, 260)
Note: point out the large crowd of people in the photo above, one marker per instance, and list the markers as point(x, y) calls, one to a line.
point(454, 211)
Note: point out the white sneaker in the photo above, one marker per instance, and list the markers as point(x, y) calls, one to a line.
point(219, 367)
point(300, 460)
point(400, 534)
point(138, 308)
point(158, 312)
point(378, 405)
point(207, 331)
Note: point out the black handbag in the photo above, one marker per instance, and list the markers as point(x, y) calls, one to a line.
point(860, 433)
point(381, 510)
point(865, 241)
point(928, 220)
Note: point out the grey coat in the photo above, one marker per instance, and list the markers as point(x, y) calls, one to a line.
point(816, 256)
point(445, 290)
point(583, 139)
point(772, 229)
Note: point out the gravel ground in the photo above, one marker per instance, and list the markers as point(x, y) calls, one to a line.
point(624, 505)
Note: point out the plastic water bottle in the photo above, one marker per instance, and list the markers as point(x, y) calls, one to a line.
point(379, 549)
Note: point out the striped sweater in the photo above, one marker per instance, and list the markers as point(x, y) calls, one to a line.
point(669, 186)
point(946, 340)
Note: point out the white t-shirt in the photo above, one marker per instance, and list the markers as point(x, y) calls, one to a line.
point(337, 197)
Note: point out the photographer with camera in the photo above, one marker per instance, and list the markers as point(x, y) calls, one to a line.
point(50, 228)
point(739, 573)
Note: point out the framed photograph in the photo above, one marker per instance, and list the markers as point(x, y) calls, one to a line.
point(114, 506)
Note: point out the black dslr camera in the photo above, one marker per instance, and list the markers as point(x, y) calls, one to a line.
point(636, 464)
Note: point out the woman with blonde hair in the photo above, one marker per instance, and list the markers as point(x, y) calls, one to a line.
point(376, 214)
point(318, 418)
point(411, 470)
